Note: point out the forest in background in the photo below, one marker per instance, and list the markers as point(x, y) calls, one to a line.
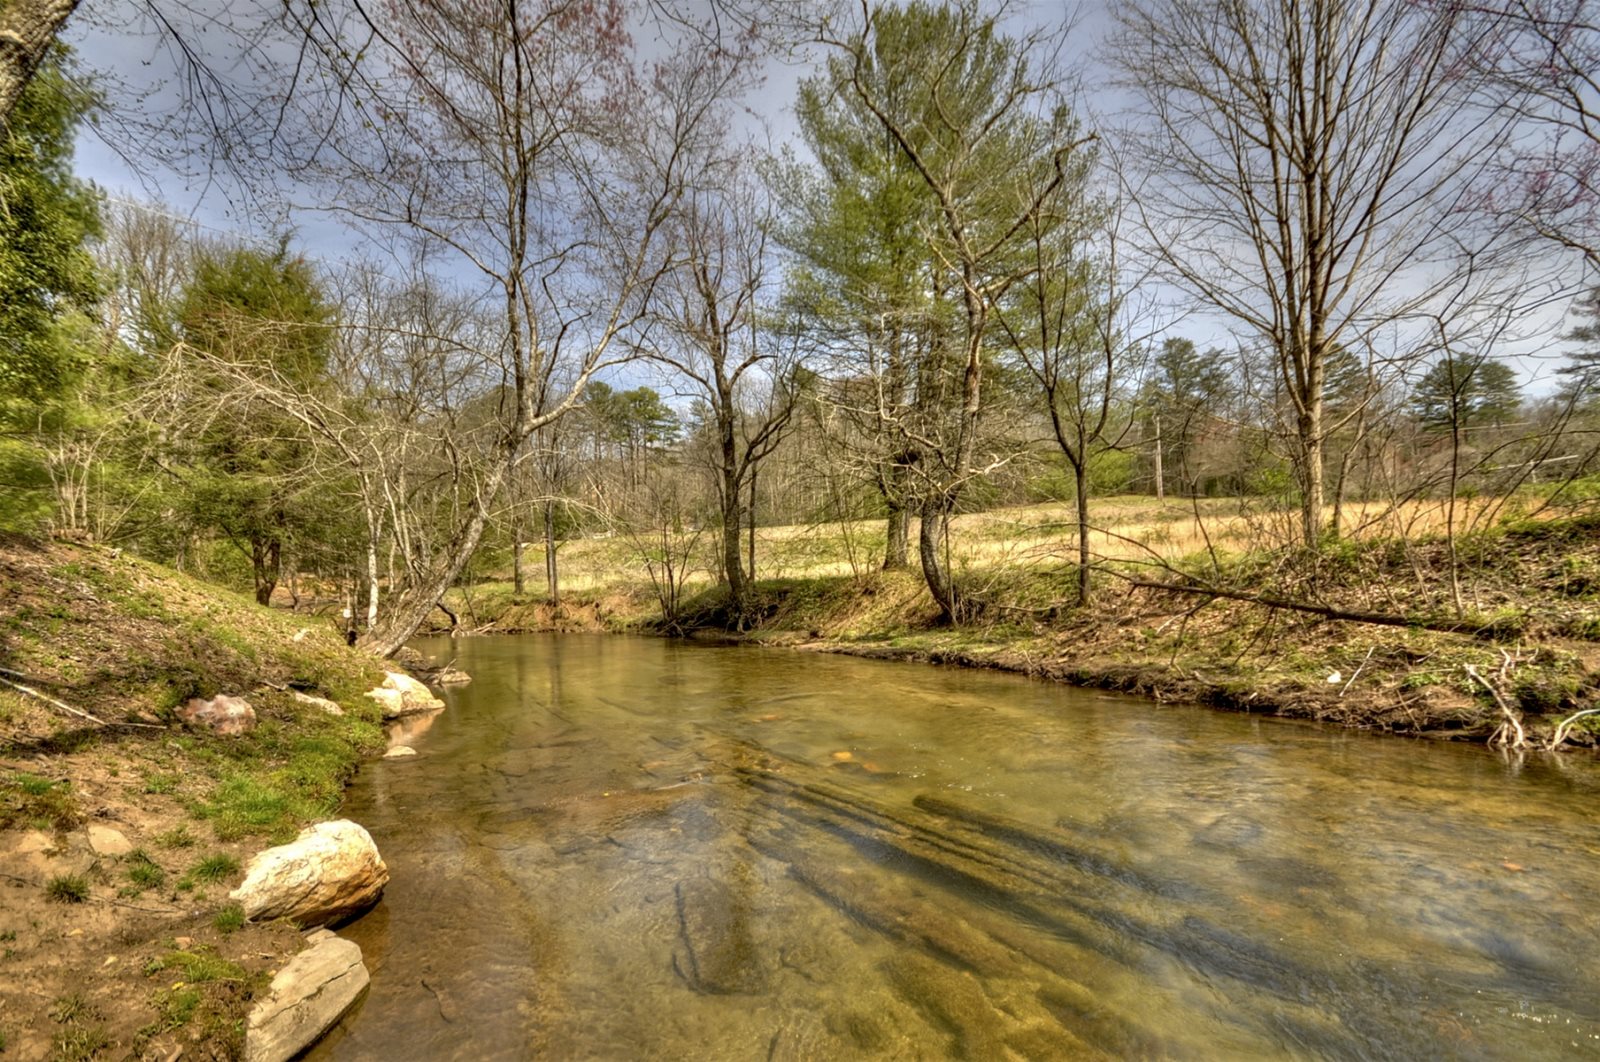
point(603, 310)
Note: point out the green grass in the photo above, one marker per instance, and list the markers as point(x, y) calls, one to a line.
point(177, 837)
point(199, 966)
point(144, 872)
point(230, 919)
point(214, 868)
point(40, 803)
point(67, 888)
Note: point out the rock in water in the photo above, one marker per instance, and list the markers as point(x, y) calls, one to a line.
point(401, 695)
point(329, 872)
point(307, 997)
point(222, 714)
point(719, 955)
point(399, 752)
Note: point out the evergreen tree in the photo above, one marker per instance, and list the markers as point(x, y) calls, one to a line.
point(252, 475)
point(1458, 393)
point(47, 217)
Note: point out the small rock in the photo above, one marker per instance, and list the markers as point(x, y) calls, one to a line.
point(330, 871)
point(183, 943)
point(308, 996)
point(300, 635)
point(451, 676)
point(228, 716)
point(104, 841)
point(331, 707)
point(399, 752)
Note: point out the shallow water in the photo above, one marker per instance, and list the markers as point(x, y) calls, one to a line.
point(633, 848)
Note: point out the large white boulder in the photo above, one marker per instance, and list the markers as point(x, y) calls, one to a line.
point(401, 694)
point(311, 993)
point(330, 872)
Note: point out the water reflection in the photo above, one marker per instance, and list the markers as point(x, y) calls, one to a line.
point(618, 848)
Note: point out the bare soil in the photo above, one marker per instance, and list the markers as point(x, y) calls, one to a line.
point(133, 950)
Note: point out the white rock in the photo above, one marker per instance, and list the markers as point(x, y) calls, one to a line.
point(221, 715)
point(308, 996)
point(331, 707)
point(331, 871)
point(401, 694)
point(399, 752)
point(104, 841)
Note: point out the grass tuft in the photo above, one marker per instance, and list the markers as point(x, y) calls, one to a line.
point(68, 888)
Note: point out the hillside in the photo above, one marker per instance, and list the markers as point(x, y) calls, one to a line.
point(121, 831)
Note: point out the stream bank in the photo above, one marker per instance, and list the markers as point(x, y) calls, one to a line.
point(122, 830)
point(1532, 635)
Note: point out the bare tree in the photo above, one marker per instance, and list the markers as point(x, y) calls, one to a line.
point(710, 330)
point(519, 150)
point(1309, 168)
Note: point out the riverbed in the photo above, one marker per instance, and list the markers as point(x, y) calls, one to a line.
point(625, 848)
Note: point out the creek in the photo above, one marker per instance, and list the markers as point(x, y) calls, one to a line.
point(613, 847)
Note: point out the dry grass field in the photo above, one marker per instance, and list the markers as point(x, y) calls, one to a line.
point(1126, 529)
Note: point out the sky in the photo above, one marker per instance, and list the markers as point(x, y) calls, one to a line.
point(143, 75)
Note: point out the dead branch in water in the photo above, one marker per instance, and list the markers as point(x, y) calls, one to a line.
point(1510, 733)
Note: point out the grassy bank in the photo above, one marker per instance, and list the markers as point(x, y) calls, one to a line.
point(1529, 626)
point(138, 954)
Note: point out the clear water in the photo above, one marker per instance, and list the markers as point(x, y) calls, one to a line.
point(633, 848)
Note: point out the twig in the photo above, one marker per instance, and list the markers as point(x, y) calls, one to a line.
point(1357, 674)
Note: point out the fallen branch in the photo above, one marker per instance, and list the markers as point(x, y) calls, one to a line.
point(1357, 675)
point(1564, 727)
point(64, 706)
point(1326, 611)
point(1512, 724)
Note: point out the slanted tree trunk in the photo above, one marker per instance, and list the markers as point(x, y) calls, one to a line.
point(27, 27)
point(265, 557)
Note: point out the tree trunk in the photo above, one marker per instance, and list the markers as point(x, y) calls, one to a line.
point(750, 569)
point(264, 564)
point(408, 611)
point(26, 29)
point(930, 547)
point(1311, 479)
point(372, 583)
point(518, 583)
point(1161, 479)
point(896, 550)
point(732, 548)
point(1081, 473)
point(552, 581)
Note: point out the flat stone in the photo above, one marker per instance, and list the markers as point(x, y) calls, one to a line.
point(104, 841)
point(307, 998)
point(228, 716)
point(33, 857)
point(399, 752)
point(330, 871)
point(331, 707)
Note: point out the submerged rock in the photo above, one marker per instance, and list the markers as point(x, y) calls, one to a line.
point(719, 955)
point(307, 997)
point(401, 694)
point(399, 752)
point(228, 716)
point(330, 872)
